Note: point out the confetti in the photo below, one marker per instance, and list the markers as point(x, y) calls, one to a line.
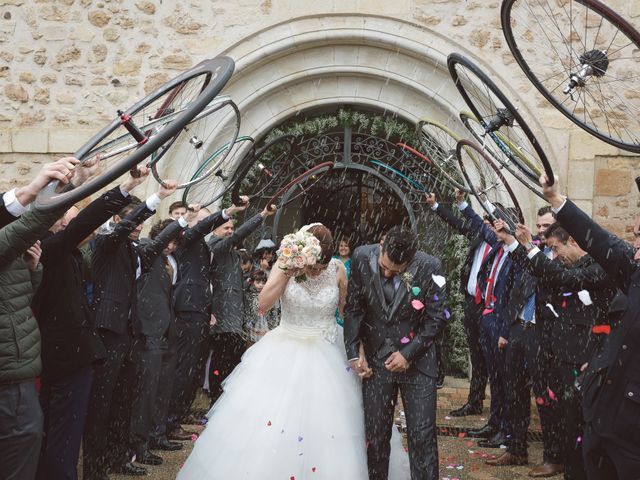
point(216, 373)
point(540, 400)
point(416, 291)
point(585, 297)
point(447, 315)
point(405, 340)
point(579, 440)
point(462, 435)
point(269, 423)
point(606, 329)
point(439, 280)
point(417, 304)
point(447, 417)
point(300, 438)
point(552, 395)
point(313, 469)
point(436, 297)
point(194, 437)
point(567, 294)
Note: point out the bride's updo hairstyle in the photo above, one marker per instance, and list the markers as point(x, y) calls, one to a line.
point(323, 234)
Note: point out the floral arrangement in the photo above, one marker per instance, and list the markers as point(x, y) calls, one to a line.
point(297, 250)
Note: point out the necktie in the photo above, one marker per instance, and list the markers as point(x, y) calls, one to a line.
point(489, 299)
point(487, 249)
point(529, 309)
point(389, 290)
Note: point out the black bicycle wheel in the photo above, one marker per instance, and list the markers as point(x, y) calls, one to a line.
point(476, 129)
point(438, 142)
point(583, 58)
point(300, 185)
point(259, 174)
point(142, 129)
point(221, 179)
point(199, 143)
point(499, 118)
point(485, 178)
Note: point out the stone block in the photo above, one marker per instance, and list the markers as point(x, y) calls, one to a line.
point(585, 205)
point(28, 140)
point(5, 141)
point(68, 141)
point(583, 146)
point(613, 182)
point(580, 180)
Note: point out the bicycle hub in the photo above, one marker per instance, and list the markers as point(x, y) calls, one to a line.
point(593, 63)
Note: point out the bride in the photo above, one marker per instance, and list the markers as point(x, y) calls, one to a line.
point(292, 409)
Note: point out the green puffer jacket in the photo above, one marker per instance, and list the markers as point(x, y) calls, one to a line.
point(19, 334)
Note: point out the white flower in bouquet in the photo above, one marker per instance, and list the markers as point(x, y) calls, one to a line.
point(297, 250)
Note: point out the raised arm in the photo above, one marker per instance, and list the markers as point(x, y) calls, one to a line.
point(463, 227)
point(273, 290)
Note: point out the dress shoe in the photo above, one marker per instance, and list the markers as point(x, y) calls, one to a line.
point(546, 470)
point(483, 432)
point(180, 434)
point(440, 382)
point(466, 409)
point(130, 469)
point(495, 441)
point(508, 459)
point(147, 458)
point(163, 444)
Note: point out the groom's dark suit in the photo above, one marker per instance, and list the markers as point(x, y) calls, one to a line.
point(383, 329)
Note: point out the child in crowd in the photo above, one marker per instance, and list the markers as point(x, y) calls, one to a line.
point(257, 324)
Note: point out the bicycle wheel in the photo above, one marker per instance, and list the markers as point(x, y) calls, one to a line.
point(142, 129)
point(476, 129)
point(486, 178)
point(412, 183)
point(198, 144)
point(497, 114)
point(300, 185)
point(260, 173)
point(583, 58)
point(438, 142)
point(221, 177)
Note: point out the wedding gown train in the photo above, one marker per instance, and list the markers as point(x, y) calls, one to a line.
point(292, 409)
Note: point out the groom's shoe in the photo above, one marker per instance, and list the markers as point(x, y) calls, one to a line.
point(147, 458)
point(496, 441)
point(466, 409)
point(163, 444)
point(508, 459)
point(483, 432)
point(129, 469)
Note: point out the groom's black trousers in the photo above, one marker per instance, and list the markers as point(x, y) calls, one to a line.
point(380, 393)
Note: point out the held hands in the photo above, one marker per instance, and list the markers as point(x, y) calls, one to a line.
point(396, 363)
point(32, 256)
point(360, 365)
point(502, 343)
point(523, 234)
point(167, 188)
point(136, 177)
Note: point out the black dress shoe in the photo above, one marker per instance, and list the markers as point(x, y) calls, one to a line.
point(466, 409)
point(129, 468)
point(147, 458)
point(495, 441)
point(164, 444)
point(483, 432)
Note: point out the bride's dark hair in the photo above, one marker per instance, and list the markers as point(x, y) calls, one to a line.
point(323, 234)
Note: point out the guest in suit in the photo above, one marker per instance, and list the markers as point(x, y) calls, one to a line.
point(115, 266)
point(478, 250)
point(154, 329)
point(496, 279)
point(21, 419)
point(393, 314)
point(70, 343)
point(193, 313)
point(227, 343)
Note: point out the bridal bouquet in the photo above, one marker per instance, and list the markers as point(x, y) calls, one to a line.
point(297, 250)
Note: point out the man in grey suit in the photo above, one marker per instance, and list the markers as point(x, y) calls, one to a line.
point(394, 312)
point(227, 343)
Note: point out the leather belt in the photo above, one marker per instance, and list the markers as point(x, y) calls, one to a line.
point(526, 325)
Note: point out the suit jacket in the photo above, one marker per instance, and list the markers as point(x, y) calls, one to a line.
point(226, 278)
point(508, 276)
point(400, 327)
point(611, 387)
point(572, 339)
point(113, 264)
point(476, 240)
point(67, 324)
point(154, 312)
point(193, 291)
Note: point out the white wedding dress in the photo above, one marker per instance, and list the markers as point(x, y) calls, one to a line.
point(292, 409)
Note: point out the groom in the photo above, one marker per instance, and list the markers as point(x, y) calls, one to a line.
point(394, 311)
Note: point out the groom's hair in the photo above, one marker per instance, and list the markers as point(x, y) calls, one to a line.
point(400, 245)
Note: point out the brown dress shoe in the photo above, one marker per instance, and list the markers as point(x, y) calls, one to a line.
point(507, 459)
point(546, 470)
point(179, 434)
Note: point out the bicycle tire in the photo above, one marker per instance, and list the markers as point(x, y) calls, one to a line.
point(626, 104)
point(192, 137)
point(218, 182)
point(455, 59)
point(319, 171)
point(208, 77)
point(493, 168)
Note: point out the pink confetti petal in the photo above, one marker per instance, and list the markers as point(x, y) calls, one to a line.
point(405, 340)
point(194, 437)
point(417, 304)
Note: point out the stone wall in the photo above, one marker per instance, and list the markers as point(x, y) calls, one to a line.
point(66, 66)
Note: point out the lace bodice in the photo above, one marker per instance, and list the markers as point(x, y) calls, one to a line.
point(309, 307)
